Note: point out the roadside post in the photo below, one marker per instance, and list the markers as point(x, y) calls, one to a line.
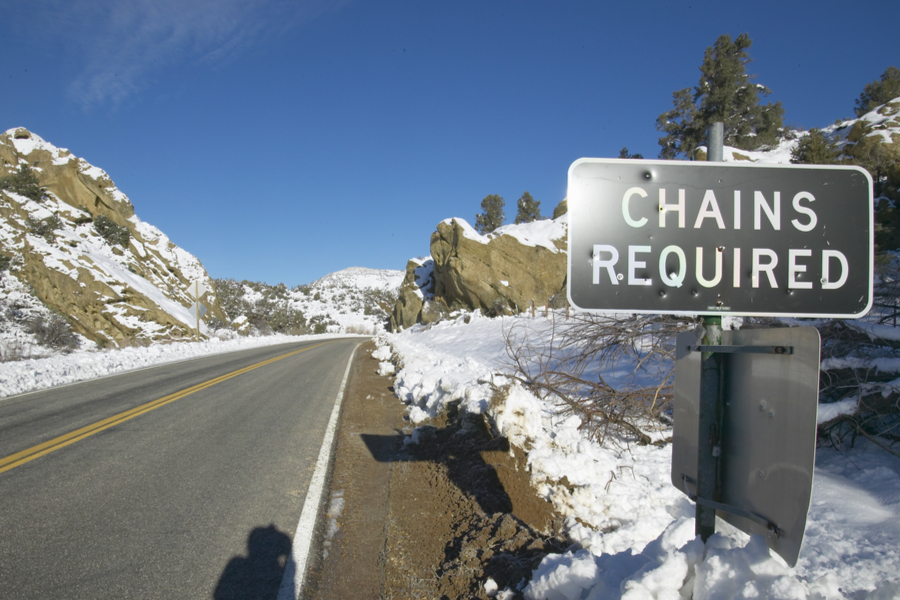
point(709, 448)
point(196, 290)
point(714, 239)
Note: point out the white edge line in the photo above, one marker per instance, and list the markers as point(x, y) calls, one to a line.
point(295, 569)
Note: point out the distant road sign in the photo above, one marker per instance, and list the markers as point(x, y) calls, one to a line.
point(198, 310)
point(196, 289)
point(674, 237)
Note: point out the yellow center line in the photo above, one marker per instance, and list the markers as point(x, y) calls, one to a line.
point(20, 458)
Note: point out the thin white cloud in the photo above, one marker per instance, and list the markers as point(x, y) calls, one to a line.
point(118, 47)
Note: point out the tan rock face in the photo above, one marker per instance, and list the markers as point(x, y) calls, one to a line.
point(408, 309)
point(472, 274)
point(497, 273)
point(110, 294)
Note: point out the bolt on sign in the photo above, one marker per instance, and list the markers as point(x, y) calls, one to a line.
point(672, 237)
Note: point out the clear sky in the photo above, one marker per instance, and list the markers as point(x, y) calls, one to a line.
point(281, 140)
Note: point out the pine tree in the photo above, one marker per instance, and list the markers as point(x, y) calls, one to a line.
point(815, 149)
point(491, 216)
point(724, 94)
point(23, 182)
point(624, 153)
point(879, 92)
point(529, 209)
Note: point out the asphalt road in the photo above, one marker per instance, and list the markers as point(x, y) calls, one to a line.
point(196, 498)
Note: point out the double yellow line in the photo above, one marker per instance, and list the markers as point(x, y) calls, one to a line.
point(20, 458)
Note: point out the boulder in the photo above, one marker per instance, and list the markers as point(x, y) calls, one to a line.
point(417, 288)
point(502, 272)
point(474, 271)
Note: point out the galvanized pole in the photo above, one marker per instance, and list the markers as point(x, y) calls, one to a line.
point(709, 444)
point(196, 294)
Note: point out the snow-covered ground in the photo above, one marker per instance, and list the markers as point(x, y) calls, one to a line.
point(635, 531)
point(18, 377)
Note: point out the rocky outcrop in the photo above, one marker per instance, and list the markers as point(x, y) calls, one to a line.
point(482, 272)
point(416, 290)
point(502, 272)
point(124, 289)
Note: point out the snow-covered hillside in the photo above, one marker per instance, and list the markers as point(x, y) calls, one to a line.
point(633, 531)
point(353, 300)
point(73, 238)
point(881, 124)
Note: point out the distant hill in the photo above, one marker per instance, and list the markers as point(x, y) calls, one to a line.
point(353, 300)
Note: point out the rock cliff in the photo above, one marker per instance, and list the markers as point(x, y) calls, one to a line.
point(502, 272)
point(74, 238)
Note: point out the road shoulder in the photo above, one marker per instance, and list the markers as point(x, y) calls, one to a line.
point(435, 519)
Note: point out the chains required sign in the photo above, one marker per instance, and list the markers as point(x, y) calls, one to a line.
point(720, 238)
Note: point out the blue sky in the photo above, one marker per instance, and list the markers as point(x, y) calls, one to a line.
point(282, 140)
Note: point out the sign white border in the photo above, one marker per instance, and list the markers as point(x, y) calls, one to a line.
point(728, 165)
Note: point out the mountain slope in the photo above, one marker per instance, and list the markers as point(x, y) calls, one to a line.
point(74, 239)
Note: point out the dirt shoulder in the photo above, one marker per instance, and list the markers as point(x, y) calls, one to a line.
point(429, 520)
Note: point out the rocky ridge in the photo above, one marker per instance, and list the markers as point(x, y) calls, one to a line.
point(77, 243)
point(502, 272)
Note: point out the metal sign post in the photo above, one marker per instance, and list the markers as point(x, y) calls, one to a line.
point(196, 290)
point(709, 447)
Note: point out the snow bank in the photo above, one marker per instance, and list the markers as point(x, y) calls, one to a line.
point(40, 373)
point(634, 532)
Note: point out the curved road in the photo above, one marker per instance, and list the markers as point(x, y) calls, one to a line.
point(125, 487)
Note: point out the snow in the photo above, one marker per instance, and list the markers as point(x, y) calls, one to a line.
point(19, 377)
point(633, 531)
point(541, 233)
point(361, 278)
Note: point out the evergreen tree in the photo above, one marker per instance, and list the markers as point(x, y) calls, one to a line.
point(529, 209)
point(491, 216)
point(23, 182)
point(724, 94)
point(561, 208)
point(624, 153)
point(815, 149)
point(879, 92)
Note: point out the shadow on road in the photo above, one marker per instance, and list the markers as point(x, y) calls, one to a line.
point(257, 575)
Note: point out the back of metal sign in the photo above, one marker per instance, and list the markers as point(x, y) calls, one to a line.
point(769, 430)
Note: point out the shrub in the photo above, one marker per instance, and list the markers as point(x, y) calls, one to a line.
point(583, 367)
point(112, 233)
point(815, 149)
point(23, 182)
point(54, 332)
point(44, 227)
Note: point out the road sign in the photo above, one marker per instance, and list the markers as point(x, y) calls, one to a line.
point(768, 431)
point(198, 310)
point(196, 289)
point(672, 237)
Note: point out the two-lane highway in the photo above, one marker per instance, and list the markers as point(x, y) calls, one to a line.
point(180, 481)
